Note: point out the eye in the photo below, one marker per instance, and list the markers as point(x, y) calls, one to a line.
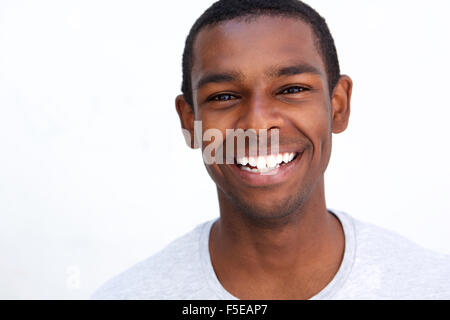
point(222, 97)
point(294, 90)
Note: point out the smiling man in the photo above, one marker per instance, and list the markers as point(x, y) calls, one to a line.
point(273, 66)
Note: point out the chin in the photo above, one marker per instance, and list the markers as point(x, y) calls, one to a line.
point(269, 209)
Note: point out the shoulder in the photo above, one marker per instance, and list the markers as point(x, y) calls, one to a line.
point(397, 267)
point(163, 275)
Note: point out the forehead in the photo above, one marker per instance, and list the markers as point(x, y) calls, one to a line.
point(251, 47)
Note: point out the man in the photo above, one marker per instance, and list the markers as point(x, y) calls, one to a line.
point(272, 65)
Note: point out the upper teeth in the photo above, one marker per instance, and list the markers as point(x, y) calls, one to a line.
point(267, 162)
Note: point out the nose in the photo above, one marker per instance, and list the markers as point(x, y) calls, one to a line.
point(260, 112)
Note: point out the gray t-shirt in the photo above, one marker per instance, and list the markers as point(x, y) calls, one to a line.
point(377, 264)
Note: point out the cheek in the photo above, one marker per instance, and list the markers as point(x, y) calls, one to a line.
point(314, 123)
point(213, 152)
point(216, 123)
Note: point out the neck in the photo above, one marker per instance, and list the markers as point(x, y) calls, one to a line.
point(268, 255)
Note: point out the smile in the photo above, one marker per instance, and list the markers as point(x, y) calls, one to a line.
point(267, 164)
point(266, 170)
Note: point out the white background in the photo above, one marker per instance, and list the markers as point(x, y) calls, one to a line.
point(94, 172)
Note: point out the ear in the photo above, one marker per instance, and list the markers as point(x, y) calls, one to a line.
point(340, 104)
point(187, 118)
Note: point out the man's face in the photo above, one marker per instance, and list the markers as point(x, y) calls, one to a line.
point(267, 74)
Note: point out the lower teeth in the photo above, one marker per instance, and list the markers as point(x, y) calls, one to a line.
point(246, 168)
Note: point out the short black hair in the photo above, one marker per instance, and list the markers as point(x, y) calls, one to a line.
point(225, 10)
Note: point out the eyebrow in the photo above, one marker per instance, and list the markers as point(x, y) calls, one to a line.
point(274, 72)
point(219, 78)
point(292, 70)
